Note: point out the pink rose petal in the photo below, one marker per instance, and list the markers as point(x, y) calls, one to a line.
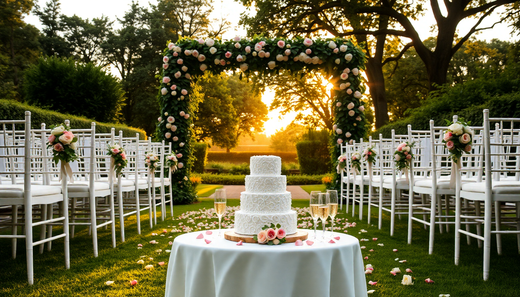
point(209, 232)
point(374, 239)
point(240, 242)
point(200, 236)
point(309, 242)
point(207, 241)
point(408, 270)
point(393, 273)
point(368, 271)
point(366, 258)
point(337, 237)
point(332, 241)
point(394, 250)
point(161, 263)
point(429, 281)
point(371, 250)
point(133, 282)
point(372, 283)
point(139, 245)
point(170, 243)
point(298, 242)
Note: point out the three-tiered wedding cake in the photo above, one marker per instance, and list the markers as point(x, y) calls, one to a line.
point(266, 200)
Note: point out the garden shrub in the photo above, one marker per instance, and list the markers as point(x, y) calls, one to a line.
point(65, 85)
point(314, 157)
point(244, 157)
point(200, 152)
point(242, 169)
point(10, 110)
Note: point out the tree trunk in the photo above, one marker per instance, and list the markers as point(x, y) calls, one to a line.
point(376, 83)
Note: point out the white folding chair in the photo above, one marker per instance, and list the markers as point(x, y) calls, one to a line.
point(17, 145)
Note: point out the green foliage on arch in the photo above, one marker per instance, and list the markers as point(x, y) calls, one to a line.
point(338, 59)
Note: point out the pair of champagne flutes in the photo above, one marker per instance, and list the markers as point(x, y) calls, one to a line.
point(322, 206)
point(220, 200)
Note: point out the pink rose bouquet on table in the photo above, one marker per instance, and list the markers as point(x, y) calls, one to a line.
point(342, 163)
point(403, 156)
point(271, 235)
point(458, 139)
point(151, 161)
point(119, 160)
point(63, 144)
point(369, 155)
point(171, 162)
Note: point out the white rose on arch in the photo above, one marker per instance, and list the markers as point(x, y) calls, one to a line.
point(334, 127)
point(279, 58)
point(355, 71)
point(357, 95)
point(203, 67)
point(244, 67)
point(168, 126)
point(210, 42)
point(343, 48)
point(342, 86)
point(164, 91)
point(332, 45)
point(350, 105)
point(212, 50)
point(339, 131)
point(271, 64)
point(348, 57)
point(349, 91)
point(348, 134)
point(351, 113)
point(456, 128)
point(167, 135)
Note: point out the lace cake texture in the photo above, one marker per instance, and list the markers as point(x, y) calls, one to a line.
point(266, 165)
point(266, 200)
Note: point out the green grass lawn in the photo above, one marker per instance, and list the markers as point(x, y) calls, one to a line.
point(88, 275)
point(204, 191)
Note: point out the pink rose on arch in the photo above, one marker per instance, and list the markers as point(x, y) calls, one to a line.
point(165, 59)
point(271, 234)
point(123, 156)
point(351, 113)
point(228, 55)
point(173, 87)
point(165, 66)
point(448, 136)
point(408, 157)
point(248, 49)
point(177, 74)
point(467, 148)
point(184, 92)
point(66, 137)
point(262, 237)
point(51, 138)
point(180, 165)
point(173, 128)
point(179, 155)
point(223, 62)
point(180, 61)
point(187, 52)
point(261, 54)
point(167, 135)
point(186, 116)
point(175, 138)
point(115, 151)
point(336, 50)
point(280, 43)
point(344, 76)
point(340, 141)
point(258, 47)
point(465, 138)
point(201, 58)
point(280, 233)
point(308, 51)
point(170, 46)
point(170, 119)
point(397, 157)
point(166, 79)
point(307, 42)
point(267, 54)
point(182, 113)
point(262, 43)
point(238, 45)
point(195, 53)
point(58, 147)
point(349, 91)
point(175, 54)
point(361, 108)
point(450, 145)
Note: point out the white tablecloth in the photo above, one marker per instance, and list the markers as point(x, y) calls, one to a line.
point(223, 269)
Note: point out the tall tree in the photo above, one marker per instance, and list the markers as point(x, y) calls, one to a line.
point(18, 45)
point(52, 43)
point(298, 93)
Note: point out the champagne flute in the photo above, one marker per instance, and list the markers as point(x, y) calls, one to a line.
point(313, 209)
point(220, 205)
point(333, 206)
point(323, 210)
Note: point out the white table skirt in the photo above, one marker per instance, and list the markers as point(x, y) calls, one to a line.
point(223, 269)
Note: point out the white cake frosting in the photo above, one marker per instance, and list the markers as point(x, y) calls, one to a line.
point(266, 200)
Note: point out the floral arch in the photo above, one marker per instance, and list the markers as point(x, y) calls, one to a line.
point(185, 60)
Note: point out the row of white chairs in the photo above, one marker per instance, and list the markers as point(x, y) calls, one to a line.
point(34, 193)
point(477, 198)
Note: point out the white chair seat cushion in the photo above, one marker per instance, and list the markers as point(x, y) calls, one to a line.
point(84, 187)
point(506, 187)
point(442, 183)
point(401, 183)
point(16, 191)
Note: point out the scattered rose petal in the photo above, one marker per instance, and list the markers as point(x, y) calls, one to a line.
point(154, 234)
point(393, 273)
point(363, 247)
point(207, 241)
point(370, 291)
point(170, 243)
point(153, 242)
point(407, 280)
point(374, 239)
point(209, 232)
point(372, 283)
point(150, 259)
point(309, 242)
point(142, 257)
point(363, 239)
point(366, 258)
point(368, 271)
point(396, 270)
point(429, 281)
point(139, 245)
point(332, 241)
point(337, 237)
point(363, 231)
point(396, 259)
point(371, 250)
point(444, 295)
point(168, 251)
point(394, 250)
point(408, 270)
point(133, 282)
point(402, 261)
point(240, 243)
point(109, 283)
point(200, 236)
point(298, 242)
point(148, 267)
point(140, 262)
point(158, 251)
point(161, 263)
point(380, 244)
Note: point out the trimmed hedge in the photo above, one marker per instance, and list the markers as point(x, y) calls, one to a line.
point(314, 157)
point(10, 110)
point(200, 152)
point(244, 157)
point(228, 179)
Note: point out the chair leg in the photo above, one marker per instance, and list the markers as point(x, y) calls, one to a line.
point(171, 198)
point(457, 228)
point(369, 201)
point(73, 216)
point(392, 211)
point(447, 212)
point(121, 214)
point(49, 228)
point(138, 210)
point(29, 244)
point(348, 197)
point(423, 202)
point(93, 224)
point(478, 226)
point(14, 230)
point(43, 228)
point(410, 216)
point(439, 209)
point(380, 210)
point(487, 238)
point(353, 199)
point(466, 207)
point(498, 220)
point(150, 207)
point(518, 225)
point(361, 197)
point(433, 211)
point(163, 205)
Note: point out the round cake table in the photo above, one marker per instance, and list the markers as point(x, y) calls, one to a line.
point(221, 268)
